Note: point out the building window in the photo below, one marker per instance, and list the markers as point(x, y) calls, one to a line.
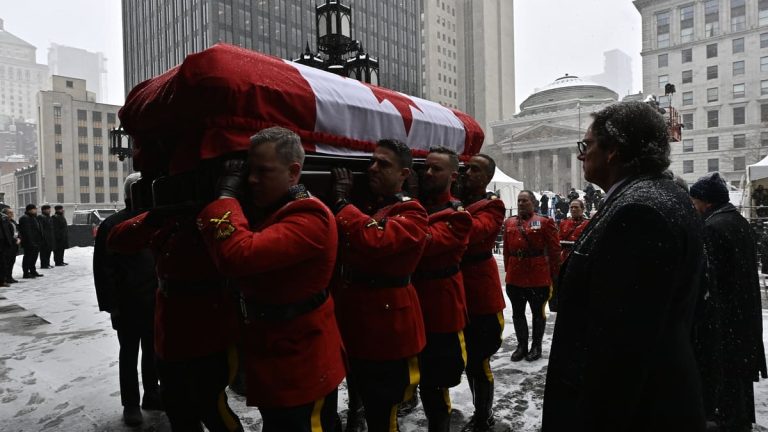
point(739, 115)
point(82, 148)
point(99, 197)
point(57, 129)
point(739, 163)
point(82, 116)
point(713, 119)
point(713, 165)
point(712, 94)
point(663, 80)
point(686, 24)
point(739, 141)
point(662, 29)
point(738, 68)
point(687, 146)
point(763, 40)
point(764, 139)
point(60, 197)
point(687, 76)
point(98, 182)
point(84, 181)
point(738, 45)
point(111, 118)
point(82, 131)
point(762, 12)
point(663, 60)
point(59, 164)
point(764, 64)
point(85, 198)
point(112, 166)
point(738, 91)
point(764, 113)
point(59, 180)
point(70, 84)
point(57, 112)
point(687, 98)
point(711, 72)
point(113, 182)
point(711, 18)
point(687, 55)
point(738, 15)
point(687, 167)
point(113, 197)
point(688, 121)
point(712, 50)
point(713, 143)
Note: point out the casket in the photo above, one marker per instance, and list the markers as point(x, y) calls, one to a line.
point(209, 106)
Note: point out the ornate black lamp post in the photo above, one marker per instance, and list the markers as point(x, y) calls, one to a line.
point(334, 40)
point(120, 144)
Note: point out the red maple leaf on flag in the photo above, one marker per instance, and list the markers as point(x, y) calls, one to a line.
point(401, 102)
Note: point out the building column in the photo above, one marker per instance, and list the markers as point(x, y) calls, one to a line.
point(555, 172)
point(519, 174)
point(574, 171)
point(537, 171)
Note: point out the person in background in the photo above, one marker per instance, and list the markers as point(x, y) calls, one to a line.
point(732, 260)
point(8, 224)
point(532, 262)
point(48, 243)
point(544, 205)
point(31, 238)
point(572, 195)
point(7, 241)
point(571, 228)
point(60, 234)
point(125, 288)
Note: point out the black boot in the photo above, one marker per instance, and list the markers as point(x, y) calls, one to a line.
point(520, 352)
point(356, 413)
point(534, 354)
point(436, 409)
point(132, 416)
point(483, 419)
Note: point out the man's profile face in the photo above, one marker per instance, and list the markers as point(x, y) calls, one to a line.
point(9, 213)
point(594, 161)
point(385, 177)
point(268, 177)
point(33, 212)
point(476, 176)
point(439, 174)
point(47, 212)
point(700, 206)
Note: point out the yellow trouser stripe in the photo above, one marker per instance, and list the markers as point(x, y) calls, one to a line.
point(544, 306)
point(393, 419)
point(226, 415)
point(500, 317)
point(463, 347)
point(414, 376)
point(317, 425)
point(487, 370)
point(233, 362)
point(447, 398)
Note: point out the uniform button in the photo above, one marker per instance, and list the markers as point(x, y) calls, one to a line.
point(386, 306)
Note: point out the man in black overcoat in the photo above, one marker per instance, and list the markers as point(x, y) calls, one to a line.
point(621, 356)
point(31, 238)
point(60, 234)
point(733, 271)
point(10, 227)
point(49, 240)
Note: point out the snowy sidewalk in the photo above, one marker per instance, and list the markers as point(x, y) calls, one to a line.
point(58, 365)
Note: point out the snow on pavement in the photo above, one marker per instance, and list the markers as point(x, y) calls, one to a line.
point(58, 365)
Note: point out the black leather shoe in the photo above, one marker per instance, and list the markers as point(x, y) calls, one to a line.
point(132, 416)
point(36, 274)
point(479, 425)
point(534, 354)
point(152, 401)
point(61, 264)
point(28, 276)
point(46, 267)
point(519, 353)
point(11, 280)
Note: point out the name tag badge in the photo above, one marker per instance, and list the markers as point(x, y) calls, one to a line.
point(535, 225)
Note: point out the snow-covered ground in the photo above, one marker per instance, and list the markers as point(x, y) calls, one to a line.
point(58, 365)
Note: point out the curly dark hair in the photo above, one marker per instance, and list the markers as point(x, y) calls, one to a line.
point(453, 158)
point(400, 149)
point(639, 133)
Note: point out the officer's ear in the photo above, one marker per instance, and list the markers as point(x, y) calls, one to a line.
point(294, 172)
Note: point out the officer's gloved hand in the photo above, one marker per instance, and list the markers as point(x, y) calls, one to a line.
point(342, 183)
point(232, 178)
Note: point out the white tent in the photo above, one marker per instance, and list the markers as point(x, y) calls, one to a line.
point(758, 171)
point(757, 174)
point(507, 188)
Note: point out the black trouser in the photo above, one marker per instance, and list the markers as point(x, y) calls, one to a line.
point(9, 256)
point(29, 259)
point(45, 255)
point(483, 338)
point(193, 392)
point(382, 386)
point(736, 410)
point(134, 328)
point(318, 416)
point(58, 255)
point(442, 364)
point(537, 298)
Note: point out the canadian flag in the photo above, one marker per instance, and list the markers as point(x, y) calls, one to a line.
point(215, 100)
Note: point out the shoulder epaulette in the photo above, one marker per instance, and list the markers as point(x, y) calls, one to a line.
point(491, 196)
point(456, 205)
point(401, 197)
point(299, 192)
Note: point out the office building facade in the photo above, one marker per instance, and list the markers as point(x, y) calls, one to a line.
point(21, 77)
point(78, 63)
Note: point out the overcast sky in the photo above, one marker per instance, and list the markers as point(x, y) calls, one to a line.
point(552, 37)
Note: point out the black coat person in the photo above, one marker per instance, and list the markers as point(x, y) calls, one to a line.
point(544, 207)
point(621, 356)
point(11, 230)
point(31, 239)
point(60, 234)
point(732, 261)
point(49, 239)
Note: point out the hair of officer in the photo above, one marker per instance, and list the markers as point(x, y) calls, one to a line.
point(128, 182)
point(45, 207)
point(453, 158)
point(491, 164)
point(401, 151)
point(639, 133)
point(530, 194)
point(287, 144)
point(5, 210)
point(581, 203)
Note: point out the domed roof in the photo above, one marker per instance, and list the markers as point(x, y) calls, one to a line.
point(564, 91)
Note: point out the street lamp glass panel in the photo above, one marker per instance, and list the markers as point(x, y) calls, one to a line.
point(322, 26)
point(334, 23)
point(346, 26)
point(375, 77)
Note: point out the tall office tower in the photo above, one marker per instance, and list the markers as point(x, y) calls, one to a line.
point(78, 63)
point(21, 77)
point(716, 54)
point(157, 35)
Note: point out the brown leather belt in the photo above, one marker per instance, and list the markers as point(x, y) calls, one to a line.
point(436, 274)
point(526, 253)
point(281, 312)
point(476, 258)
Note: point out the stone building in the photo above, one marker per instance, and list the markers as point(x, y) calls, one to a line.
point(716, 54)
point(21, 77)
point(79, 63)
point(538, 145)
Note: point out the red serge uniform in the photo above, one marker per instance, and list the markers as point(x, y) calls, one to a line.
point(531, 251)
point(378, 309)
point(438, 280)
point(570, 230)
point(282, 266)
point(481, 274)
point(189, 324)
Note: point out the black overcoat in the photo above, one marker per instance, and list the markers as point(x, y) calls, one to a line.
point(622, 357)
point(30, 232)
point(60, 232)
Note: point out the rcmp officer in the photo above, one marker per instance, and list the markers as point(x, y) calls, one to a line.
point(195, 320)
point(281, 259)
point(571, 228)
point(532, 262)
point(440, 286)
point(378, 310)
point(482, 285)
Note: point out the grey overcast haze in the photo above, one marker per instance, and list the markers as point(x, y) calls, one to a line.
point(552, 37)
